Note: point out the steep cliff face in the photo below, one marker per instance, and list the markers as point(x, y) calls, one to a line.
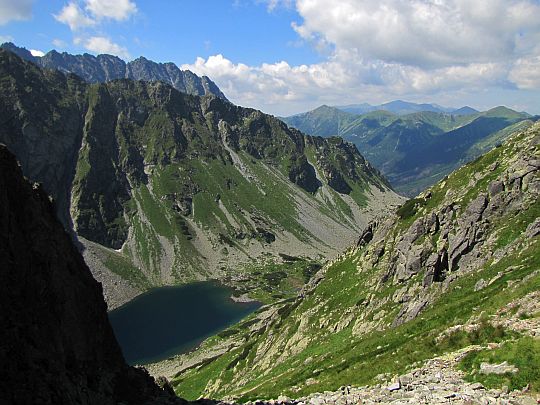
point(56, 343)
point(163, 187)
point(41, 122)
point(436, 277)
point(104, 68)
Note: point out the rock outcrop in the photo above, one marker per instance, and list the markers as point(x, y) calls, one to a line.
point(56, 343)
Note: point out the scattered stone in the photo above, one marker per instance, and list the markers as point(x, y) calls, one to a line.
point(394, 386)
point(476, 386)
point(480, 284)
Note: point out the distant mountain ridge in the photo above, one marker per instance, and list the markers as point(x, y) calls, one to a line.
point(104, 68)
point(401, 107)
point(414, 150)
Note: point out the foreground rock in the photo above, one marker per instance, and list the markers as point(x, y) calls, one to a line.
point(56, 343)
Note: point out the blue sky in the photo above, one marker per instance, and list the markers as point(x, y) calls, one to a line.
point(288, 56)
point(178, 31)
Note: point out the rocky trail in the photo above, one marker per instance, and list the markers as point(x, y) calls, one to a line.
point(436, 382)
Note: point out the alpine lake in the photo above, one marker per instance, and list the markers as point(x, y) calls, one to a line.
point(167, 321)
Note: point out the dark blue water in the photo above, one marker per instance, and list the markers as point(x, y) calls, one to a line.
point(173, 320)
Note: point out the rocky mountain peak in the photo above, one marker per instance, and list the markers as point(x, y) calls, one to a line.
point(103, 68)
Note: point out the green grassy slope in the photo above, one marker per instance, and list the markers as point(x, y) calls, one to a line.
point(454, 256)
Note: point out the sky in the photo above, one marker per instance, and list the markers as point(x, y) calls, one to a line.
point(288, 56)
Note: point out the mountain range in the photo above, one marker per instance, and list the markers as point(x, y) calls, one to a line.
point(162, 187)
point(103, 68)
point(401, 107)
point(414, 150)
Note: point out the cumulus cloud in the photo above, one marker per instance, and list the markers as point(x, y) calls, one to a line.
point(12, 10)
point(345, 78)
point(115, 9)
point(424, 33)
point(73, 16)
point(95, 11)
point(87, 21)
point(526, 73)
point(36, 52)
point(100, 44)
point(377, 50)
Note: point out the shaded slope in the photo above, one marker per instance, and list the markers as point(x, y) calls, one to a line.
point(57, 345)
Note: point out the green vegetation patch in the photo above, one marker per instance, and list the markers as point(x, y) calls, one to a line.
point(122, 266)
point(410, 208)
point(523, 353)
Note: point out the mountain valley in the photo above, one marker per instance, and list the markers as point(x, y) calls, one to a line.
point(164, 188)
point(415, 150)
point(456, 268)
point(121, 180)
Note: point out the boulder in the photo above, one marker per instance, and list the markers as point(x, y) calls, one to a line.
point(533, 229)
point(495, 187)
point(480, 284)
point(394, 386)
point(502, 368)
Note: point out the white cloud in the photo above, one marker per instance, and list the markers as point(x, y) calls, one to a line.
point(377, 50)
point(424, 33)
point(115, 9)
point(282, 89)
point(87, 22)
point(73, 16)
point(59, 43)
point(13, 10)
point(95, 11)
point(36, 52)
point(273, 4)
point(526, 73)
point(100, 45)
